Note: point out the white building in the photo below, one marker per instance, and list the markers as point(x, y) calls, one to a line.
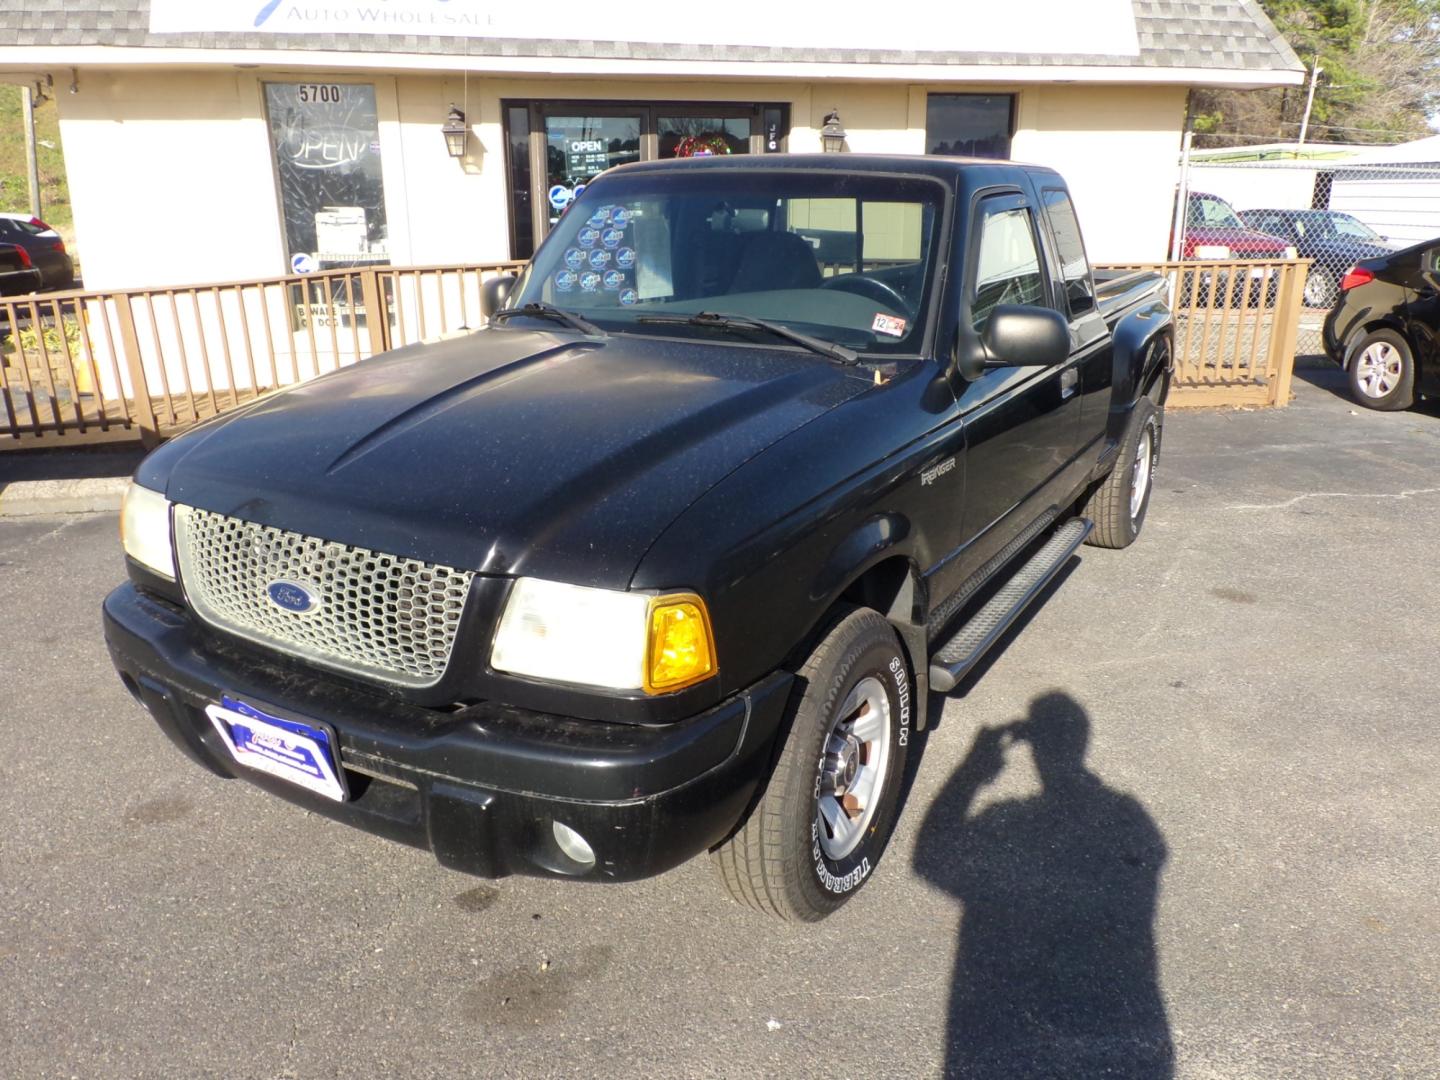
point(238, 139)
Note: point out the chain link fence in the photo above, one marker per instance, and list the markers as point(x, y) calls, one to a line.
point(1330, 204)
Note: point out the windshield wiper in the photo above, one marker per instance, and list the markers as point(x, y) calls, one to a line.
point(550, 311)
point(717, 321)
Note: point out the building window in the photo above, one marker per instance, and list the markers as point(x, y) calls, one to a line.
point(327, 157)
point(517, 150)
point(969, 125)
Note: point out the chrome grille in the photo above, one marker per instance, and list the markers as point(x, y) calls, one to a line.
point(378, 616)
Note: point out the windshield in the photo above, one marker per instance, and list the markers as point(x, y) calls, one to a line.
point(1331, 223)
point(842, 257)
point(1213, 213)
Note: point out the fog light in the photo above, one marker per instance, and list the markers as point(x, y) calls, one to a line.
point(573, 845)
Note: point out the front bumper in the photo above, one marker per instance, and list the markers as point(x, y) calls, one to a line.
point(482, 786)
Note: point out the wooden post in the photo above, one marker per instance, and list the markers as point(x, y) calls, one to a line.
point(135, 364)
point(377, 315)
point(1287, 331)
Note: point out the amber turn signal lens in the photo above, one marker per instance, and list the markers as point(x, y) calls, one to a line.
point(680, 650)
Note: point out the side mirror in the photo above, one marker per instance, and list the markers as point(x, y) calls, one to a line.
point(494, 293)
point(1023, 336)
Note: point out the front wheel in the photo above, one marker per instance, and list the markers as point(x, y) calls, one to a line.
point(1119, 504)
point(1382, 371)
point(817, 833)
point(1320, 288)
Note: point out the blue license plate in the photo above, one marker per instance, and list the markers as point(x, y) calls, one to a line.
point(294, 750)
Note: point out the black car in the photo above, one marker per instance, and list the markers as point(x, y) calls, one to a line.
point(44, 246)
point(667, 558)
point(1385, 330)
point(17, 273)
point(1335, 242)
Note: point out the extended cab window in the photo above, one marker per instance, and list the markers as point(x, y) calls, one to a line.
point(1070, 249)
point(1008, 268)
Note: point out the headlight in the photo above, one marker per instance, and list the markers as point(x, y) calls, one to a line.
point(600, 637)
point(145, 530)
point(1212, 251)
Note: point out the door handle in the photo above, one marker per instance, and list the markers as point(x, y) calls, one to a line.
point(1069, 382)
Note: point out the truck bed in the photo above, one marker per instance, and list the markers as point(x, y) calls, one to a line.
point(1117, 291)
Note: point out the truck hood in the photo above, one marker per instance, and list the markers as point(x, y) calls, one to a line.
point(504, 451)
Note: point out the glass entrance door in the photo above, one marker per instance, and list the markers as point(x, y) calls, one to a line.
point(554, 148)
point(579, 148)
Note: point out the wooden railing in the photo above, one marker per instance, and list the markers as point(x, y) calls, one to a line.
point(1235, 329)
point(86, 367)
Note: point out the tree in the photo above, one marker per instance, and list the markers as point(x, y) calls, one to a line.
point(1380, 62)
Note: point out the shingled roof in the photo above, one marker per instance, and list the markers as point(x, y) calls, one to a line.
point(1219, 35)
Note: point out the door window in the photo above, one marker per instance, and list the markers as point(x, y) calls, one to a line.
point(702, 136)
point(1070, 251)
point(579, 148)
point(1007, 269)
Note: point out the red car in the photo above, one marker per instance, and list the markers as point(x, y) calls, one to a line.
point(1214, 231)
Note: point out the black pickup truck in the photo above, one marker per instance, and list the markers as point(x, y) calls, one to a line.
point(755, 455)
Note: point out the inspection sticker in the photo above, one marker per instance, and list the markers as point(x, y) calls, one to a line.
point(890, 325)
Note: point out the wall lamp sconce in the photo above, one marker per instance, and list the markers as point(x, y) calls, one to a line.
point(455, 131)
point(832, 135)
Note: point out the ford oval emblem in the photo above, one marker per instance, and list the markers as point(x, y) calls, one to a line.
point(293, 597)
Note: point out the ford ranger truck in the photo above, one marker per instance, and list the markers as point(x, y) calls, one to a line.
point(753, 457)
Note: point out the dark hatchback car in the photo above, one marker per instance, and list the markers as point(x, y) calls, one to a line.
point(1385, 331)
point(44, 246)
point(1335, 242)
point(17, 274)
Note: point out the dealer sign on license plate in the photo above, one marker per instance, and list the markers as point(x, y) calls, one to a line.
point(299, 752)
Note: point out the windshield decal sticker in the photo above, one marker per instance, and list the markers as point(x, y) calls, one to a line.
point(587, 237)
point(625, 258)
point(614, 279)
point(565, 280)
point(574, 258)
point(598, 259)
point(890, 325)
point(629, 297)
point(590, 281)
point(611, 237)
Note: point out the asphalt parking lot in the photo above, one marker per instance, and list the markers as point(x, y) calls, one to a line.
point(1236, 876)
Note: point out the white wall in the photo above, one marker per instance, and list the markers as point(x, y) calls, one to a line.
point(192, 150)
point(1257, 187)
point(170, 178)
point(1119, 150)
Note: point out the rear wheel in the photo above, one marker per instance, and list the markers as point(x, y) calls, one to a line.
point(1382, 371)
point(817, 833)
point(1119, 504)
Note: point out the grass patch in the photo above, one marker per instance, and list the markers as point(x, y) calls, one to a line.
point(14, 190)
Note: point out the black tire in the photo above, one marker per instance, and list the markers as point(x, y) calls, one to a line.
point(1364, 371)
point(776, 862)
point(1110, 504)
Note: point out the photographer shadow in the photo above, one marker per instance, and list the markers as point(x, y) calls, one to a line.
point(1056, 971)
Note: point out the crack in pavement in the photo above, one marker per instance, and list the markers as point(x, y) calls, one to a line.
point(1411, 493)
